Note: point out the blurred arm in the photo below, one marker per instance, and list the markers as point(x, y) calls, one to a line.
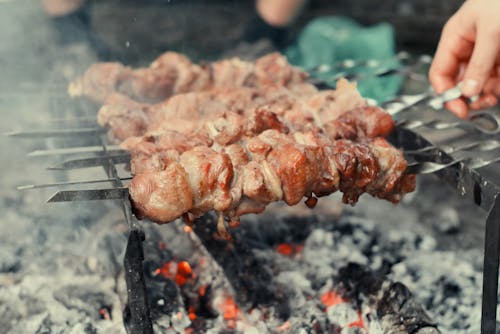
point(469, 52)
point(279, 13)
point(61, 7)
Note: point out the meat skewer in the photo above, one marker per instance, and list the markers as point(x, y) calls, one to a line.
point(250, 171)
point(173, 73)
point(235, 136)
point(187, 112)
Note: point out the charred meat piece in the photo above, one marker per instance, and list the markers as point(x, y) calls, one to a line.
point(360, 123)
point(257, 168)
point(288, 172)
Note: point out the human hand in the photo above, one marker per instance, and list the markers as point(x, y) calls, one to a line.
point(279, 13)
point(57, 8)
point(469, 52)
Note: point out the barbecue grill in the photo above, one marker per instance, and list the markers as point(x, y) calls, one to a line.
point(462, 153)
point(61, 266)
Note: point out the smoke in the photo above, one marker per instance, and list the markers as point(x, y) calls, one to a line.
point(43, 248)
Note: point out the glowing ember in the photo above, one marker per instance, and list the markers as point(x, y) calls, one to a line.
point(358, 323)
point(192, 314)
point(332, 298)
point(229, 309)
point(285, 249)
point(203, 290)
point(289, 249)
point(184, 269)
point(184, 272)
point(105, 313)
point(165, 270)
point(188, 229)
point(230, 312)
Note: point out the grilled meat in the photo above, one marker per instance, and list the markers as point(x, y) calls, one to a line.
point(173, 73)
point(254, 166)
point(188, 112)
point(234, 136)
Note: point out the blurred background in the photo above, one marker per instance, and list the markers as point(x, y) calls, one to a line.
point(209, 27)
point(135, 32)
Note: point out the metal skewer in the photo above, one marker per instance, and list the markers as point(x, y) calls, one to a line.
point(59, 184)
point(92, 162)
point(76, 150)
point(478, 145)
point(89, 195)
point(56, 133)
point(443, 125)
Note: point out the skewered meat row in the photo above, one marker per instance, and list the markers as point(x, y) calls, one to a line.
point(226, 128)
point(188, 112)
point(255, 166)
point(244, 178)
point(234, 136)
point(173, 73)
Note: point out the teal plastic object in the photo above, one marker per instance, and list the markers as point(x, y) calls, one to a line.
point(329, 40)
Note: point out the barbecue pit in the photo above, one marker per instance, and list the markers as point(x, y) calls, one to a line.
point(466, 181)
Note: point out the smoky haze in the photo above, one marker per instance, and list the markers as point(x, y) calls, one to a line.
point(50, 256)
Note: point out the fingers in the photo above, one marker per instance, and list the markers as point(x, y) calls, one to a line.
point(482, 61)
point(485, 101)
point(453, 49)
point(492, 86)
point(458, 107)
point(444, 66)
point(469, 52)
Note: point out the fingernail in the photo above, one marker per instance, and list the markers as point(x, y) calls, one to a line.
point(470, 87)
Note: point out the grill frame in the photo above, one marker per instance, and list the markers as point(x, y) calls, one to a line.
point(484, 194)
point(138, 304)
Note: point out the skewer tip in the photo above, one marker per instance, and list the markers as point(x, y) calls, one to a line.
point(11, 133)
point(26, 187)
point(54, 168)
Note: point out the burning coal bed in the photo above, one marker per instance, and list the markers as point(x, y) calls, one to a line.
point(292, 270)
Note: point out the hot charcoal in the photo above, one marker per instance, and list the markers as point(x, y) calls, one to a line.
point(397, 305)
point(290, 283)
point(255, 287)
point(199, 302)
